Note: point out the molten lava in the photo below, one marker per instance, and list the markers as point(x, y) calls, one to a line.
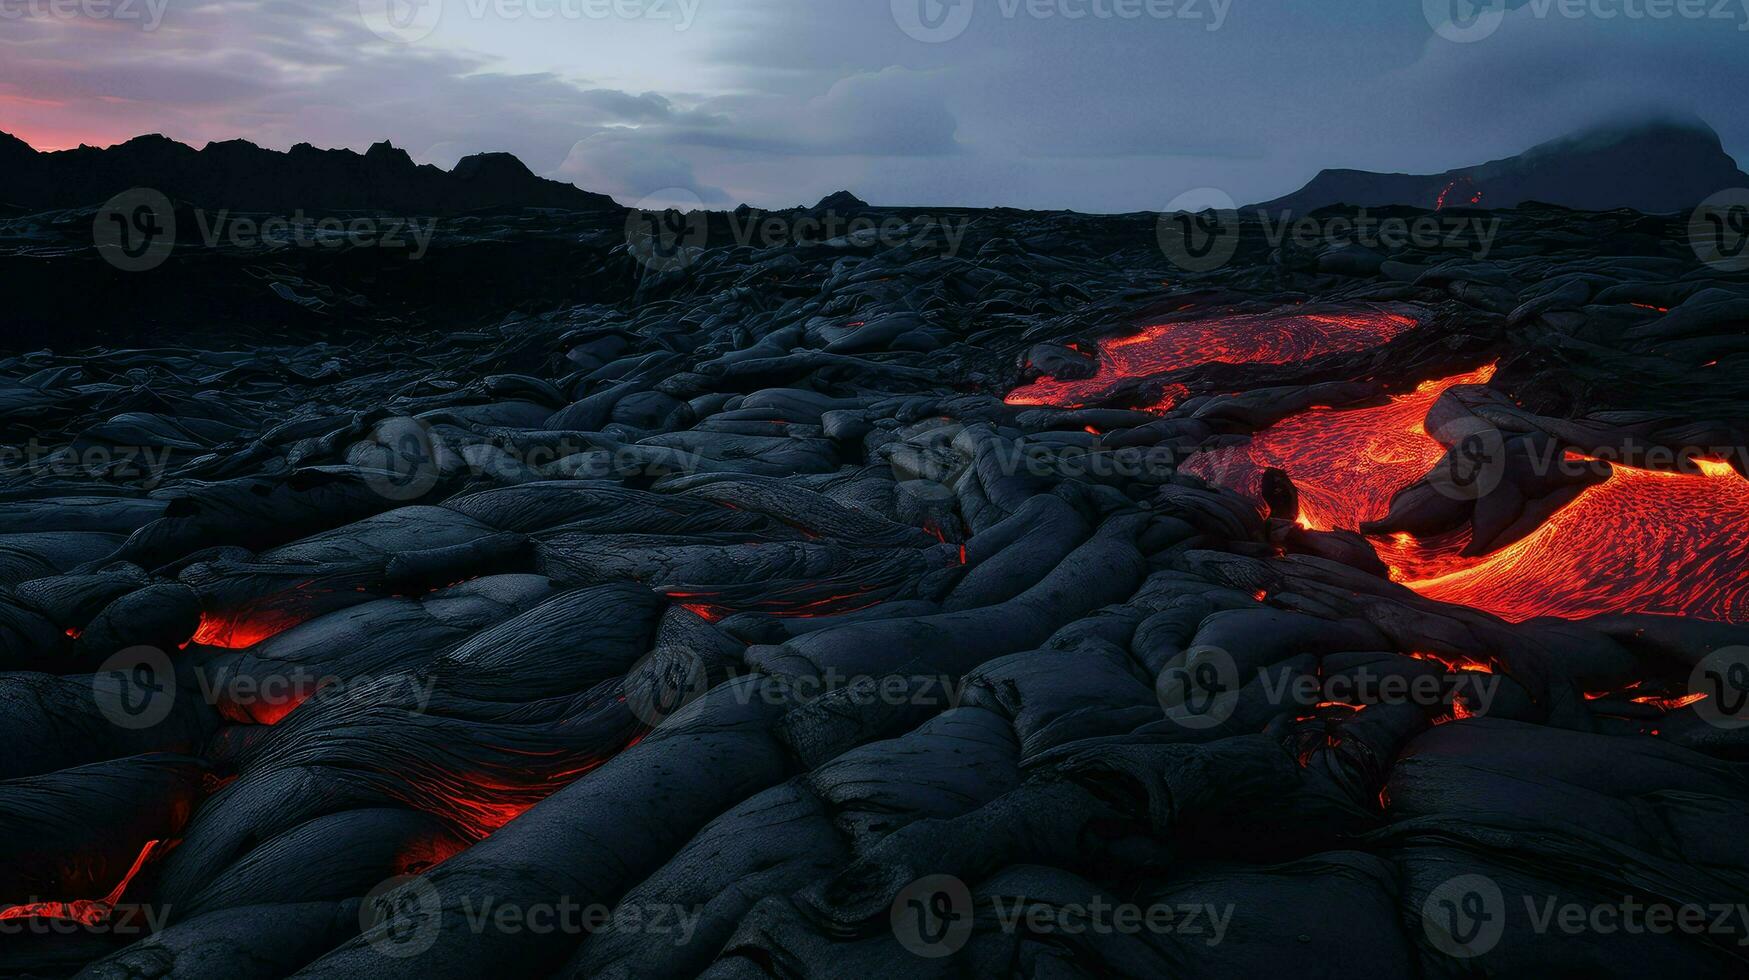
point(243, 630)
point(1347, 465)
point(1642, 541)
point(1251, 338)
point(785, 602)
point(1464, 188)
point(84, 911)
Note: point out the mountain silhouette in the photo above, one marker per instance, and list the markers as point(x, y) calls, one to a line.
point(239, 175)
point(1652, 166)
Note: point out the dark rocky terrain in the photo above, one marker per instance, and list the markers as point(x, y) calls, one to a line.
point(719, 580)
point(1652, 166)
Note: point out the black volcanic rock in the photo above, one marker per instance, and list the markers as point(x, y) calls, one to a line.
point(841, 201)
point(1653, 167)
point(239, 175)
point(742, 606)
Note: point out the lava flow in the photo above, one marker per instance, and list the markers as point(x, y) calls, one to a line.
point(1642, 541)
point(84, 911)
point(242, 630)
point(1251, 338)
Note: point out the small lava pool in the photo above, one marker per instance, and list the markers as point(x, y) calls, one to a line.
point(1248, 338)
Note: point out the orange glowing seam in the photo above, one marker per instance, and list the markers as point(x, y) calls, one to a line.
point(1439, 202)
point(1251, 338)
point(83, 910)
point(242, 630)
point(1454, 664)
point(1671, 704)
point(784, 608)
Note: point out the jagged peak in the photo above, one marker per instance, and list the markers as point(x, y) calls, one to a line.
point(14, 145)
point(238, 173)
point(840, 201)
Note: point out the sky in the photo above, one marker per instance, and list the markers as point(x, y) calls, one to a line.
point(1092, 105)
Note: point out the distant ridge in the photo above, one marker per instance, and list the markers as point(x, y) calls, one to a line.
point(241, 176)
point(1654, 166)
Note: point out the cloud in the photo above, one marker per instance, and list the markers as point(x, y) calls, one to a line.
point(776, 102)
point(634, 168)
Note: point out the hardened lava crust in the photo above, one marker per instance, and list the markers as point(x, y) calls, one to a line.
point(980, 595)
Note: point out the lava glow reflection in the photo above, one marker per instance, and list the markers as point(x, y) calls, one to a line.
point(1642, 541)
point(1252, 338)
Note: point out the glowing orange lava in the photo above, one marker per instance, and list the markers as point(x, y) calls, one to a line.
point(1251, 338)
point(782, 602)
point(1347, 464)
point(1642, 541)
point(85, 911)
point(235, 633)
point(1469, 187)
